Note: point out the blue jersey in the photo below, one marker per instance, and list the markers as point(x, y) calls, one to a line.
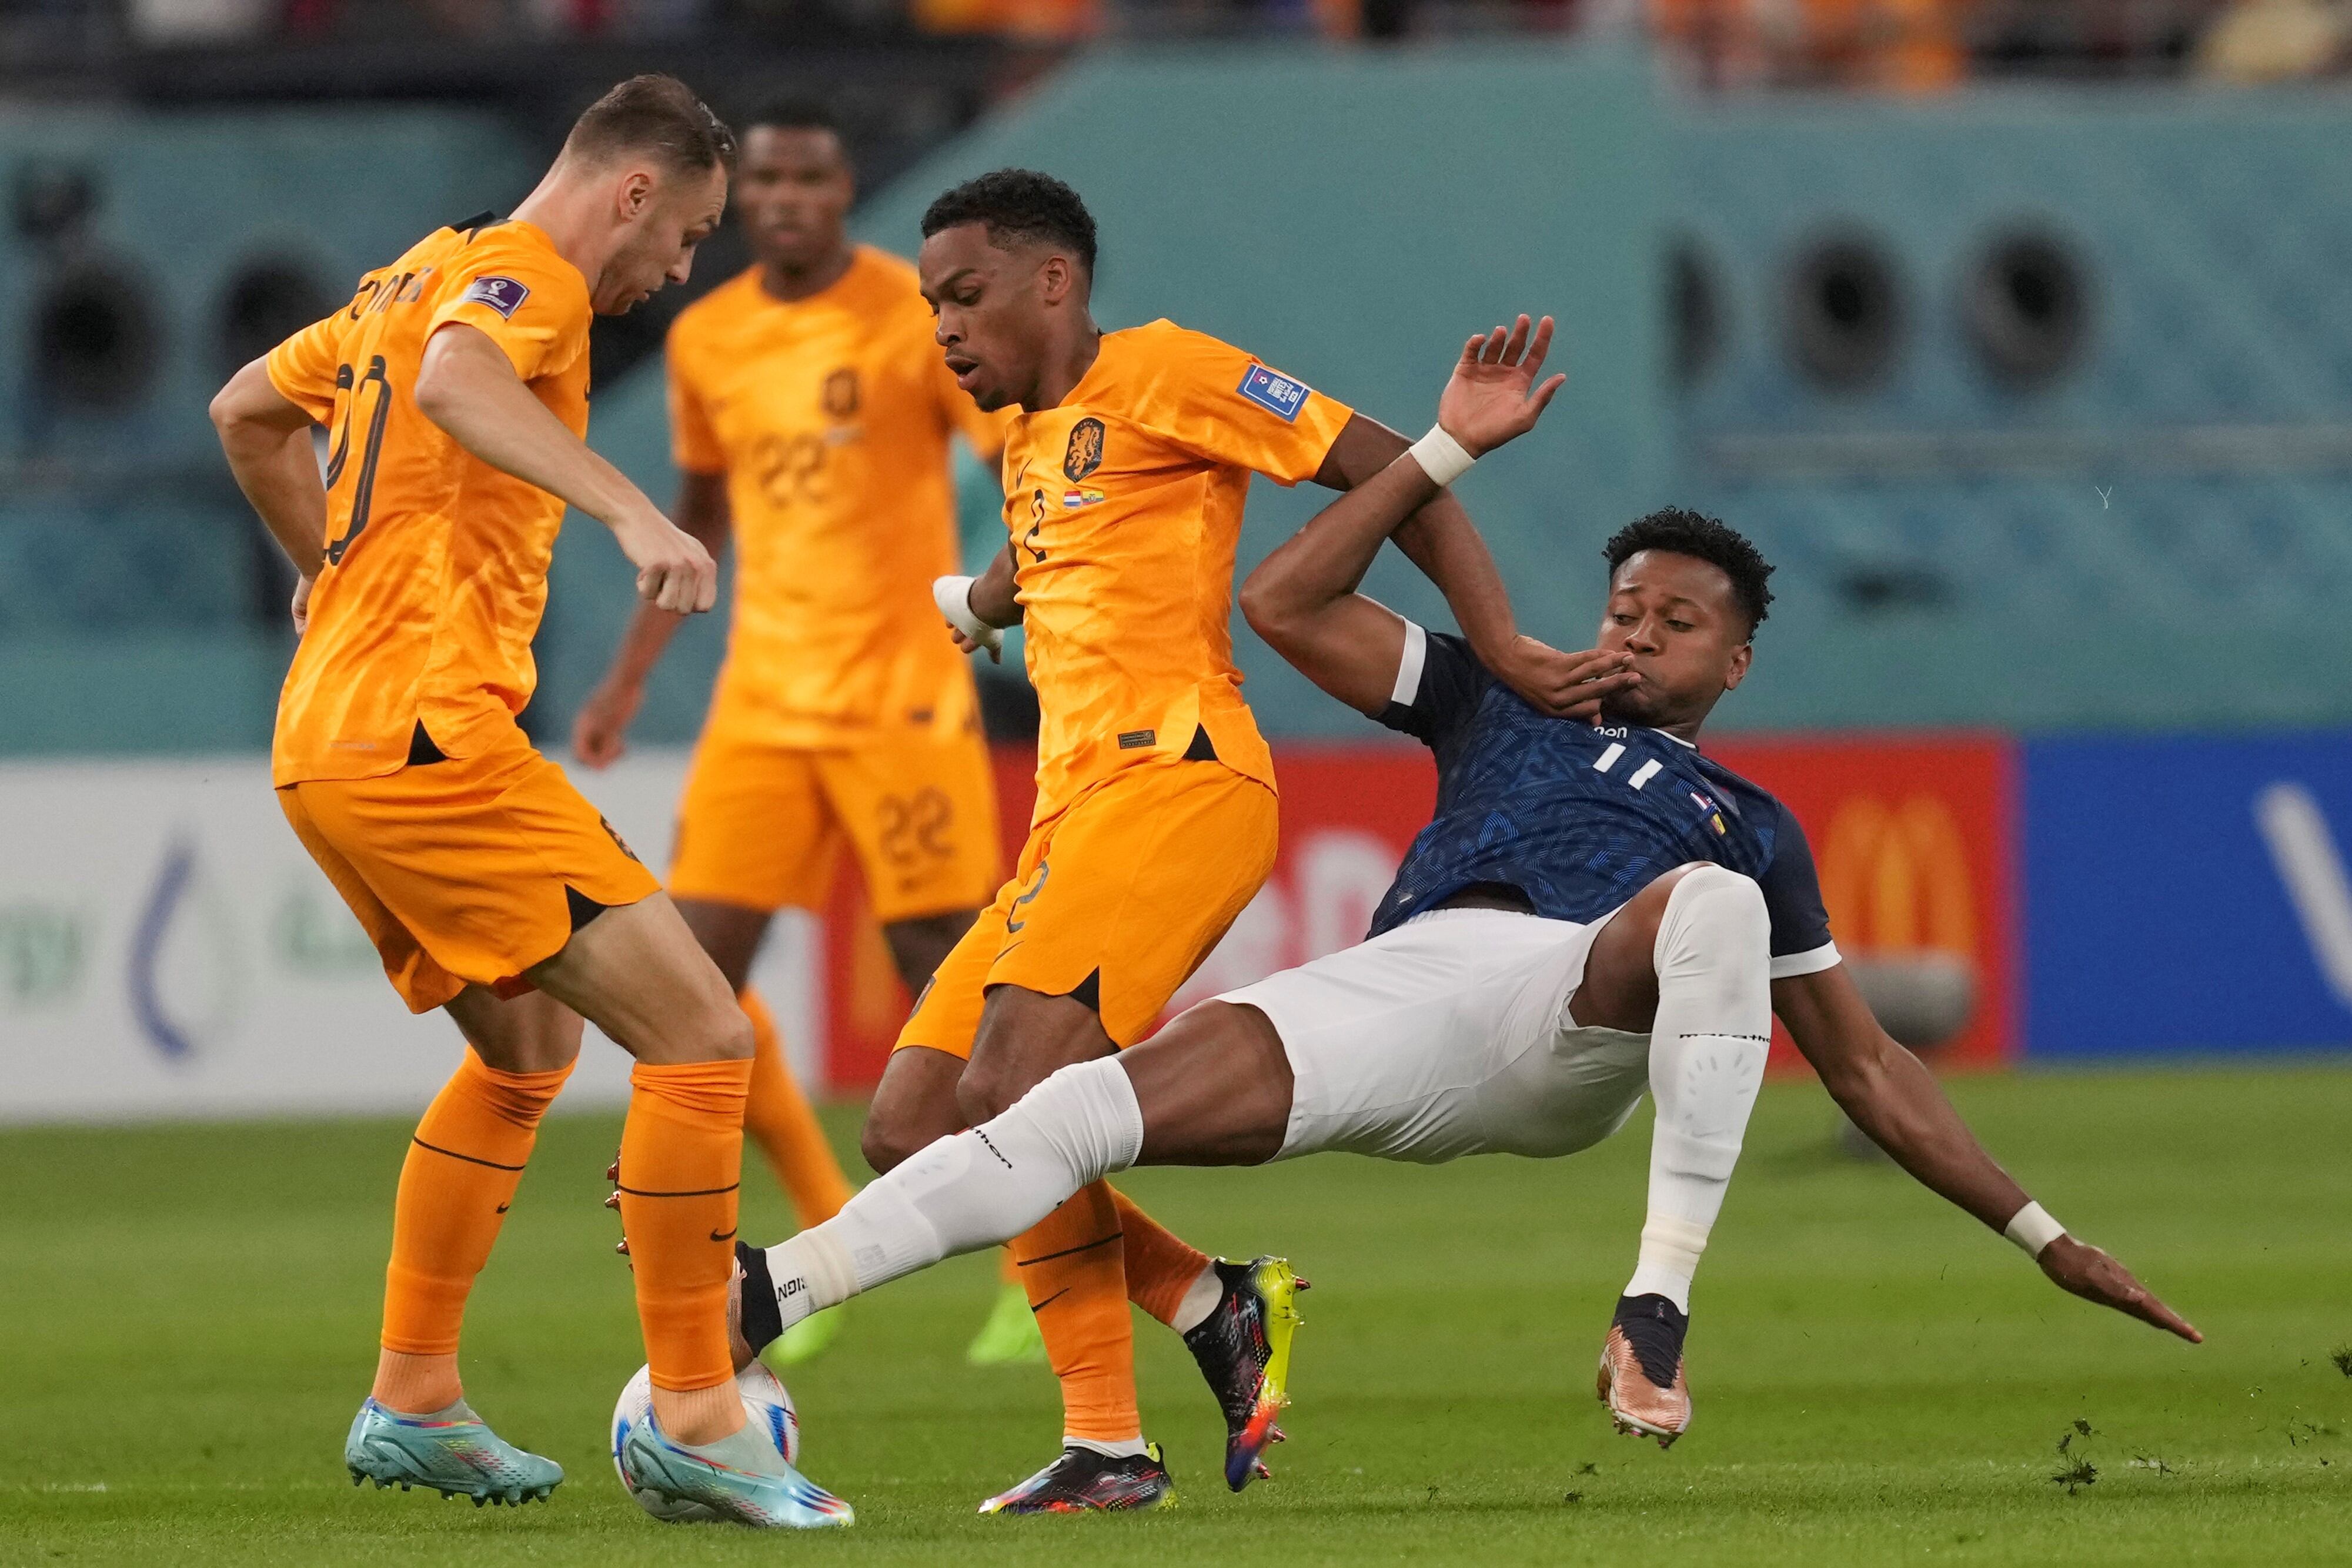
point(1580, 818)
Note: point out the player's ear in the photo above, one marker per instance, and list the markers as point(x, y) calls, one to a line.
point(637, 194)
point(1737, 670)
point(1055, 276)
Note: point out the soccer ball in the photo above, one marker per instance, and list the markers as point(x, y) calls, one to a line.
point(765, 1401)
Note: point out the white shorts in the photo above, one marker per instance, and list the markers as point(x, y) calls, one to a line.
point(1450, 1036)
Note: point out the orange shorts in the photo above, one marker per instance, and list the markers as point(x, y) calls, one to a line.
point(763, 826)
point(463, 871)
point(1117, 900)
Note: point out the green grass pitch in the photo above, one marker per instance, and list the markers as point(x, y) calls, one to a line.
point(189, 1318)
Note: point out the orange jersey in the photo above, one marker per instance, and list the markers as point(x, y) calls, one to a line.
point(830, 417)
point(1125, 507)
point(435, 567)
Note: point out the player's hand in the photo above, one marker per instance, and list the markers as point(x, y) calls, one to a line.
point(2083, 1269)
point(600, 732)
point(1563, 685)
point(1494, 396)
point(952, 595)
point(673, 572)
point(302, 586)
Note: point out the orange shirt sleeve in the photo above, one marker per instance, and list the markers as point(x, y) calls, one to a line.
point(1220, 403)
point(693, 443)
point(531, 302)
point(303, 366)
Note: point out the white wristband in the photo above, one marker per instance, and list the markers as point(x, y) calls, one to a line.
point(2033, 1230)
point(953, 596)
point(1441, 456)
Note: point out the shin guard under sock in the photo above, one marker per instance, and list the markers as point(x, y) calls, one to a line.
point(463, 1166)
point(681, 1162)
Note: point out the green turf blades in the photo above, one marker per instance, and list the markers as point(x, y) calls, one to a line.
point(805, 1340)
point(452, 1452)
point(1886, 1381)
point(1010, 1336)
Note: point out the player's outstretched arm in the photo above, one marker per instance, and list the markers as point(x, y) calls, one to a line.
point(1302, 599)
point(266, 440)
point(600, 731)
point(1894, 1099)
point(468, 386)
point(1439, 537)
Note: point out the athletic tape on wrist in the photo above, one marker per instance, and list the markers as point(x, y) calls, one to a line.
point(2033, 1230)
point(953, 597)
point(1442, 457)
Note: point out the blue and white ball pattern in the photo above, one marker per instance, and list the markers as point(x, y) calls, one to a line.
point(765, 1401)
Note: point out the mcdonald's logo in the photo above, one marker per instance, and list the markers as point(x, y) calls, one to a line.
point(1896, 878)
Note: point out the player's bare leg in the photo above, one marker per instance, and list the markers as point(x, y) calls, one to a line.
point(729, 932)
point(917, 945)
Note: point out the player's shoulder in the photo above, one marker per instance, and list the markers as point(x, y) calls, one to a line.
point(1754, 804)
point(886, 272)
point(516, 255)
point(1164, 342)
point(886, 293)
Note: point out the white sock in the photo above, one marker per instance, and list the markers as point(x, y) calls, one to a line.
point(1200, 1298)
point(1132, 1449)
point(1707, 1045)
point(975, 1189)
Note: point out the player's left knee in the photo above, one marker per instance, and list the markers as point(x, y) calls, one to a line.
point(720, 1031)
point(1717, 910)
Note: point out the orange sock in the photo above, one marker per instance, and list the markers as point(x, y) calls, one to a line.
point(1072, 1266)
point(462, 1169)
point(681, 1172)
point(779, 1120)
point(1160, 1264)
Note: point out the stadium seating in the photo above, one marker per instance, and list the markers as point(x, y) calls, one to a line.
point(2043, 542)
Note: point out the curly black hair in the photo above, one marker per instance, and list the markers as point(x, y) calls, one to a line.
point(1686, 532)
point(1020, 203)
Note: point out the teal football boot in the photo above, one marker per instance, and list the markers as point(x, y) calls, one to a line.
point(740, 1478)
point(450, 1451)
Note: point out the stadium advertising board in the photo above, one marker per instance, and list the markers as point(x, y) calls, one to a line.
point(2187, 894)
point(168, 950)
point(1915, 838)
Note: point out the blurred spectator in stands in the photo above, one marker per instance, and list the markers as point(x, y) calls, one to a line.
point(1050, 20)
point(1909, 46)
point(169, 23)
point(2276, 40)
